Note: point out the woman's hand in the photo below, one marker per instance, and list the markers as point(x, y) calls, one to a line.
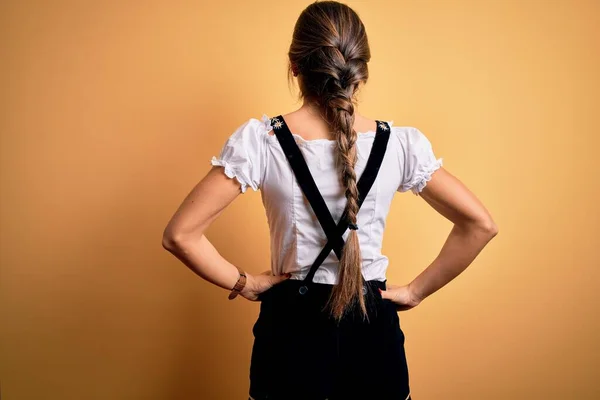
point(257, 284)
point(402, 296)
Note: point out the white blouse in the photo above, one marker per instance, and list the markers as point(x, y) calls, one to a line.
point(255, 158)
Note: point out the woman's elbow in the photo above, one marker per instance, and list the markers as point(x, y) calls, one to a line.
point(484, 227)
point(168, 243)
point(171, 239)
point(489, 227)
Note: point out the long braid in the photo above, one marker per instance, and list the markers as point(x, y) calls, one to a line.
point(331, 51)
point(340, 108)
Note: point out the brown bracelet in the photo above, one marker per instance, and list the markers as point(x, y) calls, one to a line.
point(239, 285)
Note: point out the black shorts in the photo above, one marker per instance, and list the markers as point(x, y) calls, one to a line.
point(299, 352)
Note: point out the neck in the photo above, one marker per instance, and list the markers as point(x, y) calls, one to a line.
point(312, 109)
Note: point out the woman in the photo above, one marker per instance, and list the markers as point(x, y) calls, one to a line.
point(328, 326)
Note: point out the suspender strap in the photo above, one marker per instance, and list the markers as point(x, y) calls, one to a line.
point(365, 182)
point(307, 184)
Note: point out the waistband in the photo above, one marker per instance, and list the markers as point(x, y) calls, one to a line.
point(303, 287)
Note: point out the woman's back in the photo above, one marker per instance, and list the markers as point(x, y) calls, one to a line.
point(253, 155)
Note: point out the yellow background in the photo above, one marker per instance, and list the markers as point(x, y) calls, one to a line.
point(111, 111)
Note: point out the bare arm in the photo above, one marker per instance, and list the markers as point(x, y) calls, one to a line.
point(184, 235)
point(473, 229)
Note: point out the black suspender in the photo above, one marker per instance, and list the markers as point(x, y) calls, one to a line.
point(307, 183)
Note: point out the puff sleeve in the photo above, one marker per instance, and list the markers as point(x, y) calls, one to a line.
point(418, 161)
point(243, 155)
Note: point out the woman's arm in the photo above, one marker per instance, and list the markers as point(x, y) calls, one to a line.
point(184, 234)
point(473, 229)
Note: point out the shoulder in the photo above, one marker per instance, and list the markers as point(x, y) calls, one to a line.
point(244, 153)
point(407, 133)
point(252, 129)
point(417, 158)
point(410, 139)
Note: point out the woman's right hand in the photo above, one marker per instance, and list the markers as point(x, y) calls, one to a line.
point(402, 296)
point(257, 284)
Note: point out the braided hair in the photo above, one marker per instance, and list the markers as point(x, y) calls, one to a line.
point(330, 52)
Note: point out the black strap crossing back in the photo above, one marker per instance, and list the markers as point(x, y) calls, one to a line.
point(307, 183)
